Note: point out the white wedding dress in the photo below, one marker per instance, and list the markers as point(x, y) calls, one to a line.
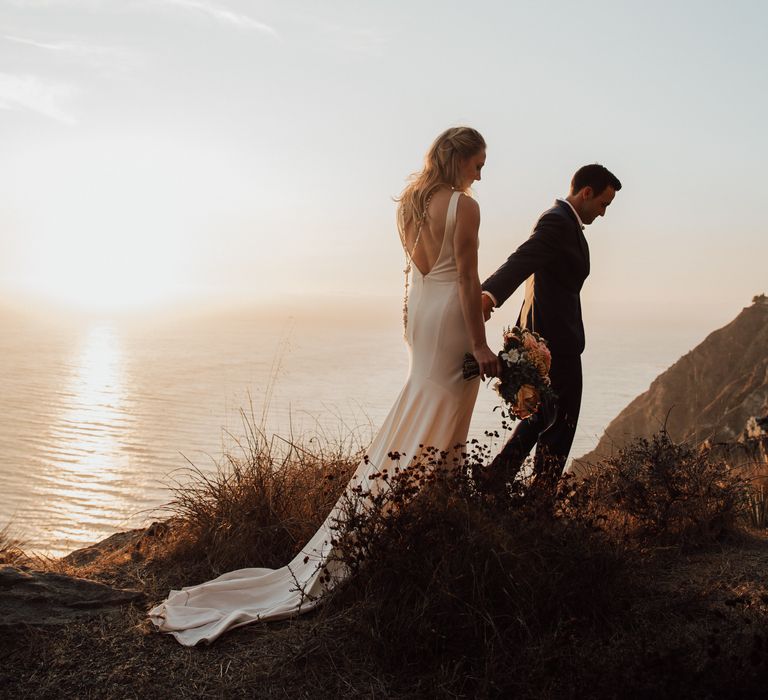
point(433, 409)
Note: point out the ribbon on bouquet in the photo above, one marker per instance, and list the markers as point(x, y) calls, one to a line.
point(527, 303)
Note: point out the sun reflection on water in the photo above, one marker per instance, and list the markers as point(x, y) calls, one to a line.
point(85, 493)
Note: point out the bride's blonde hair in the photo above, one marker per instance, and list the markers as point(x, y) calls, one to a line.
point(441, 168)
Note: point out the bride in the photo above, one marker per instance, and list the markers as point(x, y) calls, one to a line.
point(442, 314)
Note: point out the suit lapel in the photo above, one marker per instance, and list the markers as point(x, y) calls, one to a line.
point(584, 247)
point(580, 237)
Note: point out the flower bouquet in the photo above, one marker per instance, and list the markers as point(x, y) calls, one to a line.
point(524, 381)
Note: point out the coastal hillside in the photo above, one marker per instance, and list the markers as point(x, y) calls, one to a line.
point(708, 394)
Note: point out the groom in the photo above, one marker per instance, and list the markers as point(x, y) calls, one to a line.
point(555, 262)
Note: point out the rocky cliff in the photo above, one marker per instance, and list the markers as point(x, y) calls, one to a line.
point(708, 394)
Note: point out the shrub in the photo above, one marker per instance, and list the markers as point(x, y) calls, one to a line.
point(665, 491)
point(448, 583)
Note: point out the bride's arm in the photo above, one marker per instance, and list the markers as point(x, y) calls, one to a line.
point(465, 244)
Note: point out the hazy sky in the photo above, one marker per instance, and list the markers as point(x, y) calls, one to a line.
point(155, 150)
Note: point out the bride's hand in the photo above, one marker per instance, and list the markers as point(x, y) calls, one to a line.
point(489, 363)
point(487, 307)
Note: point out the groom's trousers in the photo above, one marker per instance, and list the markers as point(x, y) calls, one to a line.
point(551, 429)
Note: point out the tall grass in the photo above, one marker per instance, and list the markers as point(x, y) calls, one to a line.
point(754, 442)
point(756, 474)
point(748, 457)
point(261, 504)
point(755, 468)
point(11, 551)
point(451, 593)
point(758, 505)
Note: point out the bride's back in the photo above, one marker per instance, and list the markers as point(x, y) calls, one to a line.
point(430, 240)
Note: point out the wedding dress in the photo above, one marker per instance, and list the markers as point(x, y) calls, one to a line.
point(433, 409)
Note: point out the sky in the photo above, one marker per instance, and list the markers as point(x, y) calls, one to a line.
point(235, 152)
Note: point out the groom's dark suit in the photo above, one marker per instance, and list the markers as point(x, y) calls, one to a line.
point(557, 255)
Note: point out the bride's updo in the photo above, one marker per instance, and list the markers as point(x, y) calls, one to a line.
point(442, 165)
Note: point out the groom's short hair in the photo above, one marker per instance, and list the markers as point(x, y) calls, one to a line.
point(596, 176)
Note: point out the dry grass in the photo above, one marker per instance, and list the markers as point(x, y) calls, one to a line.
point(453, 595)
point(755, 471)
point(11, 548)
point(455, 589)
point(664, 493)
point(258, 507)
point(262, 504)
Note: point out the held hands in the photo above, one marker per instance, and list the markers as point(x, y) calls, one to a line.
point(488, 361)
point(487, 306)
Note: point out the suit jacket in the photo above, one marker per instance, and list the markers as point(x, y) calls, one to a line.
point(557, 254)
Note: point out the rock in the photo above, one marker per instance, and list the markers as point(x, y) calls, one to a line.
point(86, 555)
point(29, 597)
point(128, 540)
point(707, 395)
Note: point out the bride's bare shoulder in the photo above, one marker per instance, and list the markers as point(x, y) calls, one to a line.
point(467, 208)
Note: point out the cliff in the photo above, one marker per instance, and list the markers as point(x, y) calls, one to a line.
point(708, 394)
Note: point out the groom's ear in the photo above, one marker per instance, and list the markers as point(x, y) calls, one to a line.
point(586, 193)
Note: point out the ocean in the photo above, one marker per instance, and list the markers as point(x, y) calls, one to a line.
point(100, 416)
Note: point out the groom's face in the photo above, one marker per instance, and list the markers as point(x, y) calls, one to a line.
point(593, 205)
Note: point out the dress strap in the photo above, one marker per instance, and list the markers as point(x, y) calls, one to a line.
point(450, 215)
point(450, 227)
point(454, 203)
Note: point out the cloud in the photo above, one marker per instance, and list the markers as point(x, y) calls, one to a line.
point(93, 54)
point(223, 15)
point(30, 93)
point(206, 7)
point(345, 37)
point(72, 47)
point(362, 40)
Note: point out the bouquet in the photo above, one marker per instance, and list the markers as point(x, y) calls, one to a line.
point(524, 382)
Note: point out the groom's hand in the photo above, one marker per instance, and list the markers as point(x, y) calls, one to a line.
point(487, 306)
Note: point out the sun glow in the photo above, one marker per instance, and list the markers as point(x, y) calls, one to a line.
point(110, 226)
point(87, 459)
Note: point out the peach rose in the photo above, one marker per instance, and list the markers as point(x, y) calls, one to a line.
point(539, 363)
point(529, 342)
point(526, 401)
point(542, 359)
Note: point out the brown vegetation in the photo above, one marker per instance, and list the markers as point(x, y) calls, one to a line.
point(640, 581)
point(261, 506)
point(10, 548)
point(662, 492)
